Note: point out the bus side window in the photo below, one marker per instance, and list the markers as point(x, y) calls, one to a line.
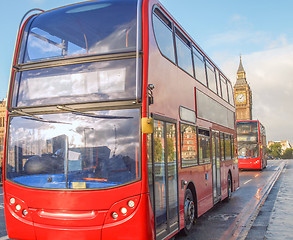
point(184, 57)
point(224, 88)
point(204, 146)
point(230, 93)
point(199, 67)
point(228, 147)
point(222, 136)
point(188, 145)
point(164, 35)
point(218, 82)
point(211, 77)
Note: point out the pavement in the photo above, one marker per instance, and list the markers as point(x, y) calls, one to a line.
point(275, 218)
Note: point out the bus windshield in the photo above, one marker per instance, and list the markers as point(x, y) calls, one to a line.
point(247, 139)
point(100, 27)
point(75, 150)
point(95, 44)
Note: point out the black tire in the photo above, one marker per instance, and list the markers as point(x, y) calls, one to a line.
point(189, 212)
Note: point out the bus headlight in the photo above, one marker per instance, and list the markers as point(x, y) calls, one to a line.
point(130, 203)
point(122, 209)
point(24, 212)
point(12, 201)
point(114, 215)
point(18, 207)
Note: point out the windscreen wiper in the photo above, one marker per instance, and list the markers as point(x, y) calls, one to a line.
point(30, 116)
point(20, 112)
point(87, 114)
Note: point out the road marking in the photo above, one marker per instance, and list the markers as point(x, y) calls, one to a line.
point(1, 207)
point(247, 181)
point(1, 194)
point(4, 238)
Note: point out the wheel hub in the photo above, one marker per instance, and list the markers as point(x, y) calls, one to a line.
point(189, 210)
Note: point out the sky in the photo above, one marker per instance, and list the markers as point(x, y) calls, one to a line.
point(260, 31)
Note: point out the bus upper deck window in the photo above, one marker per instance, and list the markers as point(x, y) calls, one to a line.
point(86, 29)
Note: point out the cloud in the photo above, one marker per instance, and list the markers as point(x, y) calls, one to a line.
point(238, 20)
point(270, 76)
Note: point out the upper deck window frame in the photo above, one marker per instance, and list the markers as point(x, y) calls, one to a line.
point(169, 52)
point(63, 36)
point(211, 77)
point(200, 75)
point(182, 42)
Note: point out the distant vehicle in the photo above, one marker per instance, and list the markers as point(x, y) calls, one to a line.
point(119, 126)
point(251, 142)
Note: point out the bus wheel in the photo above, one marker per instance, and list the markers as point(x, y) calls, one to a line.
point(189, 212)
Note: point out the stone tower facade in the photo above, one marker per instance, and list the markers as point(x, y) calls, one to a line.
point(242, 95)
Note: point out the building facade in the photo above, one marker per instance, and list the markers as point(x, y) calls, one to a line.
point(242, 95)
point(284, 143)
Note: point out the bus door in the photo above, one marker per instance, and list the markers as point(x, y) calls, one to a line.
point(163, 176)
point(216, 166)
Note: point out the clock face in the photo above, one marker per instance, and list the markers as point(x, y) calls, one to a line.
point(240, 98)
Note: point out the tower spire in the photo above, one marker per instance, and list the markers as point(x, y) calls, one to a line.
point(241, 72)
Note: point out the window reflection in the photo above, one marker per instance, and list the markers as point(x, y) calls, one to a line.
point(184, 55)
point(204, 146)
point(98, 81)
point(228, 147)
point(160, 173)
point(247, 140)
point(90, 28)
point(224, 88)
point(64, 149)
point(199, 65)
point(188, 145)
point(211, 77)
point(164, 37)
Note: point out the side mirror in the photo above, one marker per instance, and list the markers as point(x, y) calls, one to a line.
point(150, 94)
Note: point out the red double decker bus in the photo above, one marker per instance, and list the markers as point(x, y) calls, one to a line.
point(118, 126)
point(251, 141)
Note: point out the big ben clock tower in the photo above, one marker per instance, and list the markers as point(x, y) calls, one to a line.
point(242, 96)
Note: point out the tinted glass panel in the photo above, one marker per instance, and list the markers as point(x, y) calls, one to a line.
point(211, 77)
point(218, 82)
point(89, 28)
point(247, 139)
point(224, 88)
point(199, 65)
point(222, 137)
point(98, 81)
point(160, 175)
point(188, 145)
point(204, 146)
point(213, 111)
point(75, 150)
point(230, 92)
point(184, 56)
point(172, 171)
point(228, 147)
point(164, 37)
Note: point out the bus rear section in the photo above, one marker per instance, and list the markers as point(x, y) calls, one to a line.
point(251, 141)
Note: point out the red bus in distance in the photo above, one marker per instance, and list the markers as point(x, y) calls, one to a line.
point(119, 126)
point(251, 141)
